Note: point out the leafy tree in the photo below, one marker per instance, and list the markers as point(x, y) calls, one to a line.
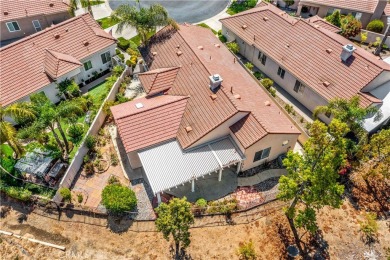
point(7, 130)
point(350, 27)
point(312, 176)
point(117, 198)
point(234, 47)
point(246, 251)
point(334, 18)
point(73, 6)
point(68, 88)
point(144, 20)
point(378, 152)
point(175, 219)
point(350, 112)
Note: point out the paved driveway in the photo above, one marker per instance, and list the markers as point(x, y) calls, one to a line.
point(192, 11)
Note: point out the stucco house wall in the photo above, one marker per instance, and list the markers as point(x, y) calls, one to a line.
point(27, 27)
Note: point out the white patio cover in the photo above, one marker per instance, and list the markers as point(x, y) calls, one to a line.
point(167, 165)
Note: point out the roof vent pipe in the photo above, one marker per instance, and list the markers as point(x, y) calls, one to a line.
point(347, 52)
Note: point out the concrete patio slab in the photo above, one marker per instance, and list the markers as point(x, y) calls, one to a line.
point(260, 177)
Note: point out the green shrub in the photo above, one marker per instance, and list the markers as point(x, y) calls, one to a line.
point(224, 206)
point(222, 38)
point(289, 108)
point(113, 180)
point(86, 158)
point(267, 83)
point(219, 32)
point(334, 18)
point(79, 198)
point(75, 132)
point(272, 91)
point(201, 203)
point(123, 43)
point(247, 251)
point(121, 56)
point(258, 75)
point(66, 194)
point(89, 169)
point(234, 47)
point(375, 26)
point(369, 227)
point(117, 51)
point(19, 193)
point(114, 159)
point(117, 198)
point(90, 142)
point(249, 66)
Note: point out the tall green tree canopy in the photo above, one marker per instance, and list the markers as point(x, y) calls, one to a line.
point(378, 152)
point(7, 130)
point(175, 219)
point(144, 20)
point(312, 176)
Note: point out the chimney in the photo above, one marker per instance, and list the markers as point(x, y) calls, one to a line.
point(347, 52)
point(215, 82)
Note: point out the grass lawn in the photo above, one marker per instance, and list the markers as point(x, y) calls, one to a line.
point(6, 158)
point(208, 27)
point(98, 2)
point(137, 39)
point(235, 7)
point(106, 22)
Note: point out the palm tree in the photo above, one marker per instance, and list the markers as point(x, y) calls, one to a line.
point(7, 130)
point(350, 112)
point(73, 6)
point(145, 20)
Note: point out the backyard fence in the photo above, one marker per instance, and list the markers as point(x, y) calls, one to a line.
point(97, 123)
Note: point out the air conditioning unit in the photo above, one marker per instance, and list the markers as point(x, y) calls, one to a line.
point(215, 82)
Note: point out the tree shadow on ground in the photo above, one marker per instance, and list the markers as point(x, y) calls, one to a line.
point(183, 255)
point(316, 247)
point(119, 224)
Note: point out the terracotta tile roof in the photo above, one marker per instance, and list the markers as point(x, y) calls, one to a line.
point(156, 120)
point(57, 64)
point(310, 53)
point(201, 55)
point(23, 64)
point(387, 10)
point(364, 6)
point(323, 23)
point(16, 9)
point(248, 130)
point(158, 80)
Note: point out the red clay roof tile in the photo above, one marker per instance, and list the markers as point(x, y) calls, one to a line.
point(158, 80)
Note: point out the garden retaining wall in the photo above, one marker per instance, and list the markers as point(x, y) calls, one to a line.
point(97, 123)
point(371, 37)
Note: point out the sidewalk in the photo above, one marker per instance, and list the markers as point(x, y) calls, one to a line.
point(214, 22)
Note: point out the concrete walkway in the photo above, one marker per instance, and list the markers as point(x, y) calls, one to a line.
point(260, 177)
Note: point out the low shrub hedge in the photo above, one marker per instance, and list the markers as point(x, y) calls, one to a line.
point(375, 26)
point(117, 198)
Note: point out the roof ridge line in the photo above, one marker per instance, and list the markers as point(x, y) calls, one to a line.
point(43, 31)
point(161, 105)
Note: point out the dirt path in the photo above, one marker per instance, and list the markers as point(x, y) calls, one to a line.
point(213, 239)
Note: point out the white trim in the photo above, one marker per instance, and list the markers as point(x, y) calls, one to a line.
point(11, 22)
point(40, 27)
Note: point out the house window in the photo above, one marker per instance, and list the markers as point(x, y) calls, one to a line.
point(299, 88)
point(260, 155)
point(88, 65)
point(105, 57)
point(13, 26)
point(262, 58)
point(281, 72)
point(37, 25)
point(357, 15)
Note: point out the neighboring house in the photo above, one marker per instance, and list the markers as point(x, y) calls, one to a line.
point(74, 49)
point(310, 62)
point(20, 18)
point(193, 122)
point(363, 10)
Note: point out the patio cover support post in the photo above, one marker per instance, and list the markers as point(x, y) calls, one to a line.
point(300, 5)
point(159, 198)
point(193, 185)
point(238, 167)
point(220, 175)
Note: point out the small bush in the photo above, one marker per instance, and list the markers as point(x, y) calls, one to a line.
point(113, 180)
point(234, 47)
point(301, 120)
point(249, 66)
point(79, 198)
point(272, 91)
point(267, 83)
point(123, 43)
point(102, 132)
point(114, 159)
point(90, 142)
point(224, 207)
point(18, 193)
point(86, 158)
point(117, 51)
point(289, 108)
point(66, 194)
point(375, 26)
point(117, 70)
point(246, 251)
point(258, 75)
point(121, 56)
point(89, 169)
point(222, 38)
point(369, 227)
point(75, 132)
point(201, 203)
point(117, 198)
